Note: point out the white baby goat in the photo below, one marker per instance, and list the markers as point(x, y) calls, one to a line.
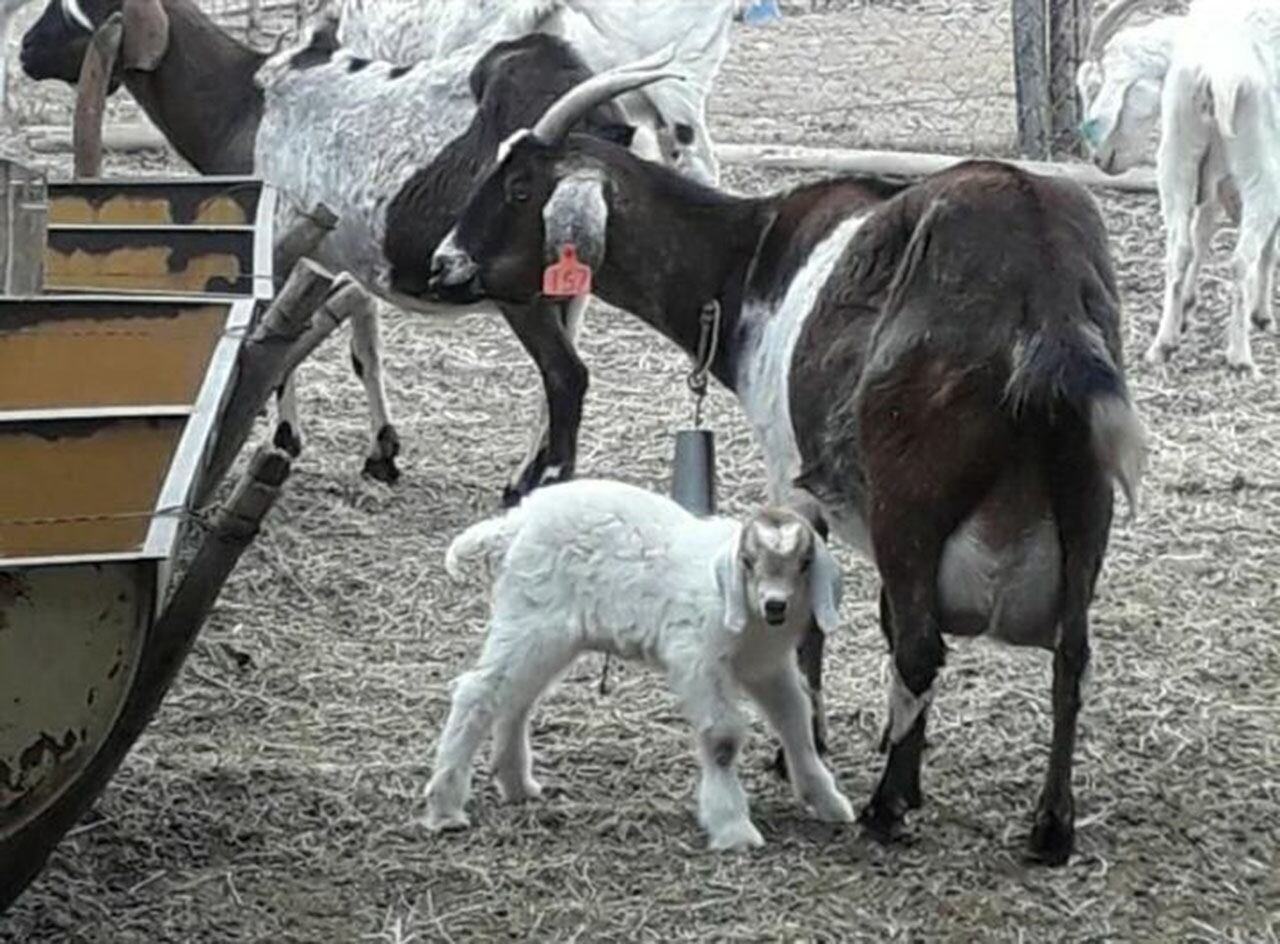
point(603, 566)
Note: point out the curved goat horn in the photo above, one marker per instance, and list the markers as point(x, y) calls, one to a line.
point(573, 104)
point(1109, 24)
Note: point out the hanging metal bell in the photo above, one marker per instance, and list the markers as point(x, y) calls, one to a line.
point(693, 479)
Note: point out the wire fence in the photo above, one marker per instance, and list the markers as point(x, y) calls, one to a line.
point(990, 77)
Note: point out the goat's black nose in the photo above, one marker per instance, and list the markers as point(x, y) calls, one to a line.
point(775, 610)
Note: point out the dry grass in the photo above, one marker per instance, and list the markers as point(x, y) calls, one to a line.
point(274, 798)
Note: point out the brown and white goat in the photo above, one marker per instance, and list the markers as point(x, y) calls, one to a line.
point(937, 366)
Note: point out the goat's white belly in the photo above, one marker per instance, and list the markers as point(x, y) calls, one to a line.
point(765, 375)
point(1011, 594)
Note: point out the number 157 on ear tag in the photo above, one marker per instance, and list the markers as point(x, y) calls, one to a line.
point(568, 277)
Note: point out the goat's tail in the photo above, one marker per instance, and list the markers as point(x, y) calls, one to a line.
point(1068, 367)
point(484, 543)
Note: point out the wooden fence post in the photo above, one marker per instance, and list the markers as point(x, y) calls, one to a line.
point(1069, 25)
point(1031, 77)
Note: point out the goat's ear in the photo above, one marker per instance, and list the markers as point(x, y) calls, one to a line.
point(731, 581)
point(824, 587)
point(577, 212)
point(146, 34)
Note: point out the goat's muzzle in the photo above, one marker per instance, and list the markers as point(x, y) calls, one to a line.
point(455, 277)
point(775, 612)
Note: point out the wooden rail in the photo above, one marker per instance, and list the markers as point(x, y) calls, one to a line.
point(790, 157)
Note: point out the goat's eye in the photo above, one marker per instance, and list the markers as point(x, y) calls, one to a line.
point(804, 565)
point(748, 564)
point(518, 192)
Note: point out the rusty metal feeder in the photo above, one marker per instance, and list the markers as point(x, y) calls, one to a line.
point(127, 388)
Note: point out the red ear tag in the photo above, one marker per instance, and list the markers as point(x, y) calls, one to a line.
point(567, 278)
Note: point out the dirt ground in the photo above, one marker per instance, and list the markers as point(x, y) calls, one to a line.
point(274, 799)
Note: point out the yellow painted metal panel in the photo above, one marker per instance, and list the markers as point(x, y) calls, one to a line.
point(133, 209)
point(79, 486)
point(101, 362)
point(141, 269)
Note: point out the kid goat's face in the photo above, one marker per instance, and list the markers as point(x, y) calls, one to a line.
point(776, 557)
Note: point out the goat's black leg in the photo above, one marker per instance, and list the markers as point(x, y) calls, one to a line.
point(1082, 505)
point(546, 330)
point(908, 620)
point(911, 788)
point(1053, 835)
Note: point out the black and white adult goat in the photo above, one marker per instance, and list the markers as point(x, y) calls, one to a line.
point(1210, 81)
point(391, 149)
point(937, 366)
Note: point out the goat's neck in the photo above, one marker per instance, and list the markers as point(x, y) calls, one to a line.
point(202, 95)
point(667, 259)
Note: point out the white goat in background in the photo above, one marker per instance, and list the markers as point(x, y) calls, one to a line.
point(1211, 80)
point(670, 117)
point(716, 604)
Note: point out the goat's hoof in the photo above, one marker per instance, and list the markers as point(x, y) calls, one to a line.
point(738, 836)
point(382, 470)
point(1052, 839)
point(1263, 322)
point(913, 798)
point(835, 809)
point(882, 818)
point(438, 821)
point(1242, 364)
point(381, 464)
point(287, 438)
point(1158, 353)
point(520, 792)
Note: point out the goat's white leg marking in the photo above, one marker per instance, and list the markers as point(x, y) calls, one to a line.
point(905, 706)
point(721, 731)
point(785, 703)
point(722, 803)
